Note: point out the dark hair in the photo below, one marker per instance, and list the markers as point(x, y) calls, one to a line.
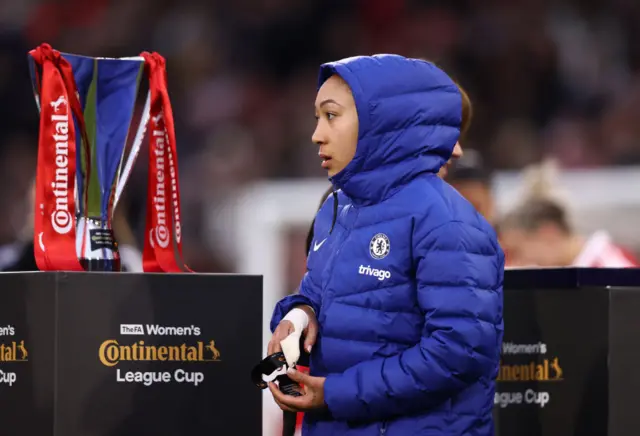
point(310, 233)
point(470, 167)
point(467, 110)
point(534, 213)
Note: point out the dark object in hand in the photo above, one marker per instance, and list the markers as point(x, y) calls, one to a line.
point(274, 368)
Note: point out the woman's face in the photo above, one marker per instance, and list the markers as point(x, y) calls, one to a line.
point(337, 129)
point(457, 154)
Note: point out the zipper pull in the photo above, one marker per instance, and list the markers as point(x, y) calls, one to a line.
point(383, 429)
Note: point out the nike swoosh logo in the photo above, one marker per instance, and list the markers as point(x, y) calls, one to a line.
point(316, 246)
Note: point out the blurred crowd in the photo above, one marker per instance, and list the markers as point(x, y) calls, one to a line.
point(549, 79)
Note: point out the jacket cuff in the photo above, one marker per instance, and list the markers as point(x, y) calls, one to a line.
point(286, 304)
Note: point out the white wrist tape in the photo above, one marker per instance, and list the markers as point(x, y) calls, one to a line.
point(298, 318)
point(291, 344)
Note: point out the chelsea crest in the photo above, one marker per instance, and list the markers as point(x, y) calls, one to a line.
point(379, 246)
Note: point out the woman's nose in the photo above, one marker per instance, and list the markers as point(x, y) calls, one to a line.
point(457, 151)
point(319, 135)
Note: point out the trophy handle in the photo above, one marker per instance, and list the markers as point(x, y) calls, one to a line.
point(135, 150)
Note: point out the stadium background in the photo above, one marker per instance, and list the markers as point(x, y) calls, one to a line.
point(556, 79)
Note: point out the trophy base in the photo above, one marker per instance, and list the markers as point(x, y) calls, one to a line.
point(96, 246)
point(110, 265)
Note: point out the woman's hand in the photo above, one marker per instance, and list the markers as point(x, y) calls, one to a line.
point(312, 393)
point(285, 328)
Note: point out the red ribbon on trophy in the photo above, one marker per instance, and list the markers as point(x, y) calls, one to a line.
point(55, 237)
point(163, 238)
point(55, 218)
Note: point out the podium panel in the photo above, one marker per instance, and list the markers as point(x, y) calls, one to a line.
point(87, 354)
point(567, 358)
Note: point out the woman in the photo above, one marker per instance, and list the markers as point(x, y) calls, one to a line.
point(539, 231)
point(401, 305)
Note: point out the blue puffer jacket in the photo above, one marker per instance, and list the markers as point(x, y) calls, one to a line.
point(407, 282)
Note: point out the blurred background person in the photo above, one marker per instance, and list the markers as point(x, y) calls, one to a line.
point(554, 80)
point(466, 170)
point(473, 181)
point(540, 232)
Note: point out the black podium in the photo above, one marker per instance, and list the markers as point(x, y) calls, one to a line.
point(106, 354)
point(571, 353)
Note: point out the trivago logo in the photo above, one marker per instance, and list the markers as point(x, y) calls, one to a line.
point(112, 353)
point(380, 274)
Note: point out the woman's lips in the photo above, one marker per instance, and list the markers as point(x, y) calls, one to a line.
point(326, 160)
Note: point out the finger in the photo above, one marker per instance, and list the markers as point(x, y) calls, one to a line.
point(294, 403)
point(274, 389)
point(274, 345)
point(298, 376)
point(271, 347)
point(284, 408)
point(282, 399)
point(310, 337)
point(282, 331)
point(297, 404)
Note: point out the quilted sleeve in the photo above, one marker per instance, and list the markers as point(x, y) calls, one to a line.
point(309, 291)
point(459, 273)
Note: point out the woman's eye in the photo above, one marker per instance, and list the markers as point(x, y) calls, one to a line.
point(330, 116)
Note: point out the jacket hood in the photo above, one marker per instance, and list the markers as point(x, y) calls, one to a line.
point(409, 114)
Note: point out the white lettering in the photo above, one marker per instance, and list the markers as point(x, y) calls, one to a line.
point(512, 348)
point(380, 274)
point(194, 378)
point(172, 331)
point(131, 329)
point(146, 378)
point(8, 378)
point(504, 399)
point(162, 204)
point(61, 218)
point(533, 397)
point(160, 233)
point(7, 331)
point(174, 189)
